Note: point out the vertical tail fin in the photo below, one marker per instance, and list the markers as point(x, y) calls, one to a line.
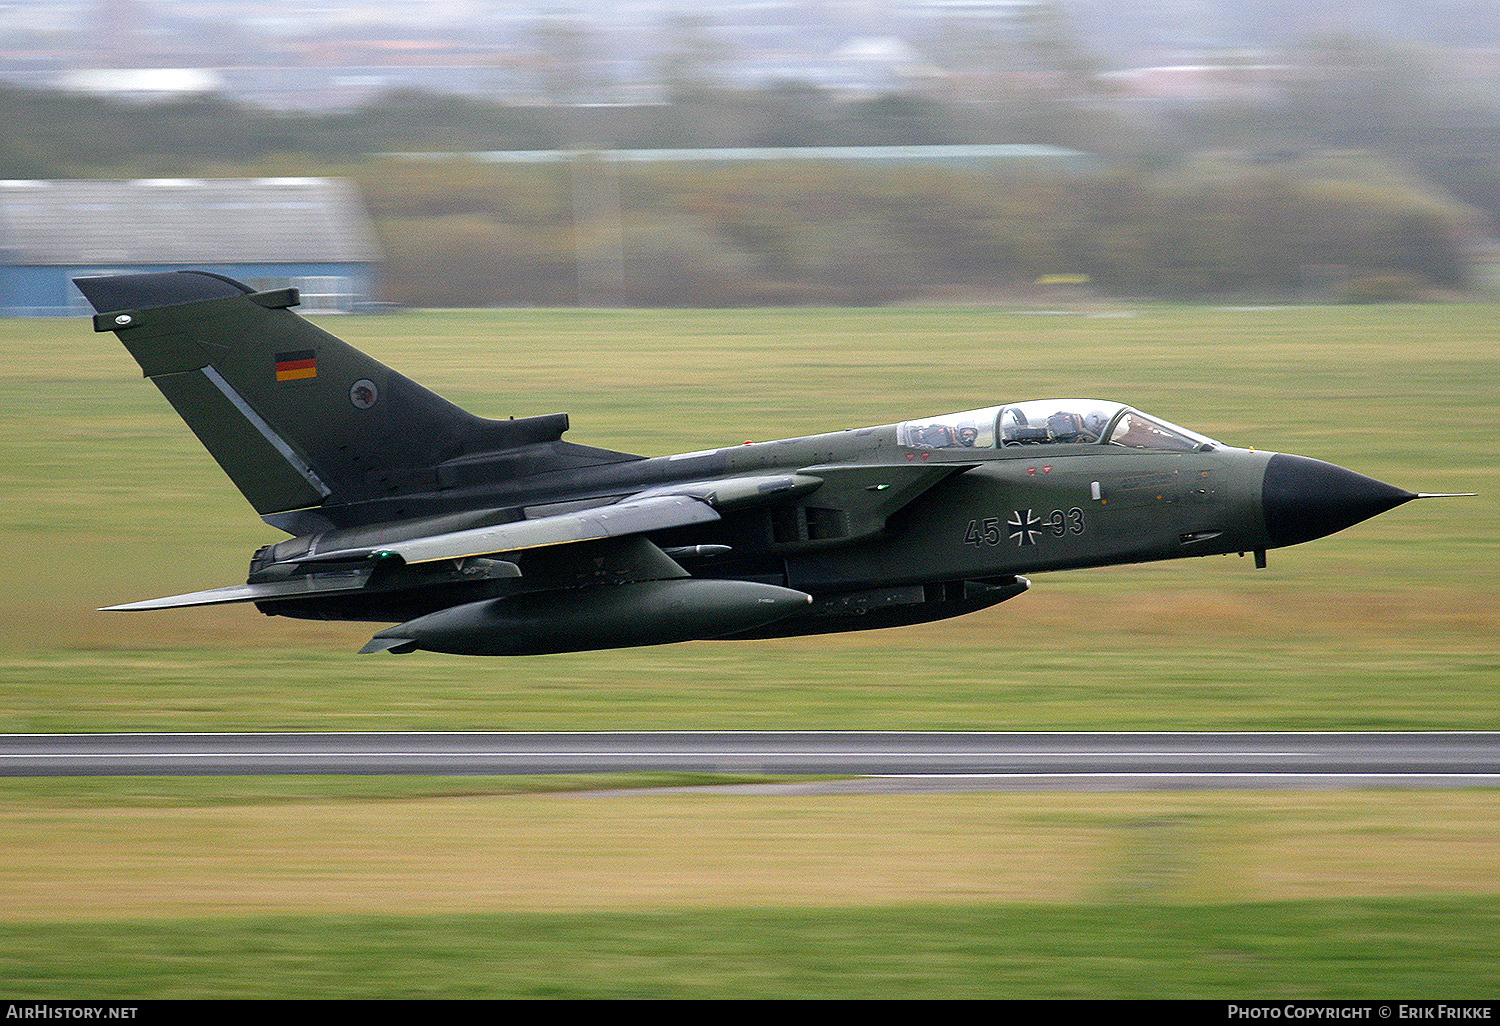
point(296, 417)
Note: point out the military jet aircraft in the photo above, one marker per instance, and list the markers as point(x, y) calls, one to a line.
point(496, 537)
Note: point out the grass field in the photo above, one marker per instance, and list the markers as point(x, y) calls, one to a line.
point(294, 887)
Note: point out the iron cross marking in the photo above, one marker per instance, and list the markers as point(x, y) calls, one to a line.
point(1023, 526)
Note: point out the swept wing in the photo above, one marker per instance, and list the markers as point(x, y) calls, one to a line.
point(348, 570)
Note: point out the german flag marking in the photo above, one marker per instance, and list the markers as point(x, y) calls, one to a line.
point(295, 366)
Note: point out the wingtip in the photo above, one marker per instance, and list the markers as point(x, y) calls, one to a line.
point(134, 607)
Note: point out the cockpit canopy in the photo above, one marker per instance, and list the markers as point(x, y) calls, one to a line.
point(1050, 422)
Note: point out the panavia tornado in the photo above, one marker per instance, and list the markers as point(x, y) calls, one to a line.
point(496, 537)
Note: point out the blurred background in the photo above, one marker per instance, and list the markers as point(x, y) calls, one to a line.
point(945, 164)
point(666, 153)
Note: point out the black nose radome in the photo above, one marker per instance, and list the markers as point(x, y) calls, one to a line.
point(1306, 499)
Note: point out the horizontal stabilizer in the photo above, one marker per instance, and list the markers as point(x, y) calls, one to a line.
point(398, 645)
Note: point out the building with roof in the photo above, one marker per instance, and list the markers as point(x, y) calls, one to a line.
point(1041, 157)
point(309, 233)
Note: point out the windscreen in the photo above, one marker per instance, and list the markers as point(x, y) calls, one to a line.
point(1135, 430)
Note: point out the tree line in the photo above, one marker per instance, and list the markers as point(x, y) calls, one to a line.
point(468, 234)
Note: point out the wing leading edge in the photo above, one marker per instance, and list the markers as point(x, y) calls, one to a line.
point(632, 516)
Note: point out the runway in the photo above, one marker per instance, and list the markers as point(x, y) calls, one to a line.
point(906, 760)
